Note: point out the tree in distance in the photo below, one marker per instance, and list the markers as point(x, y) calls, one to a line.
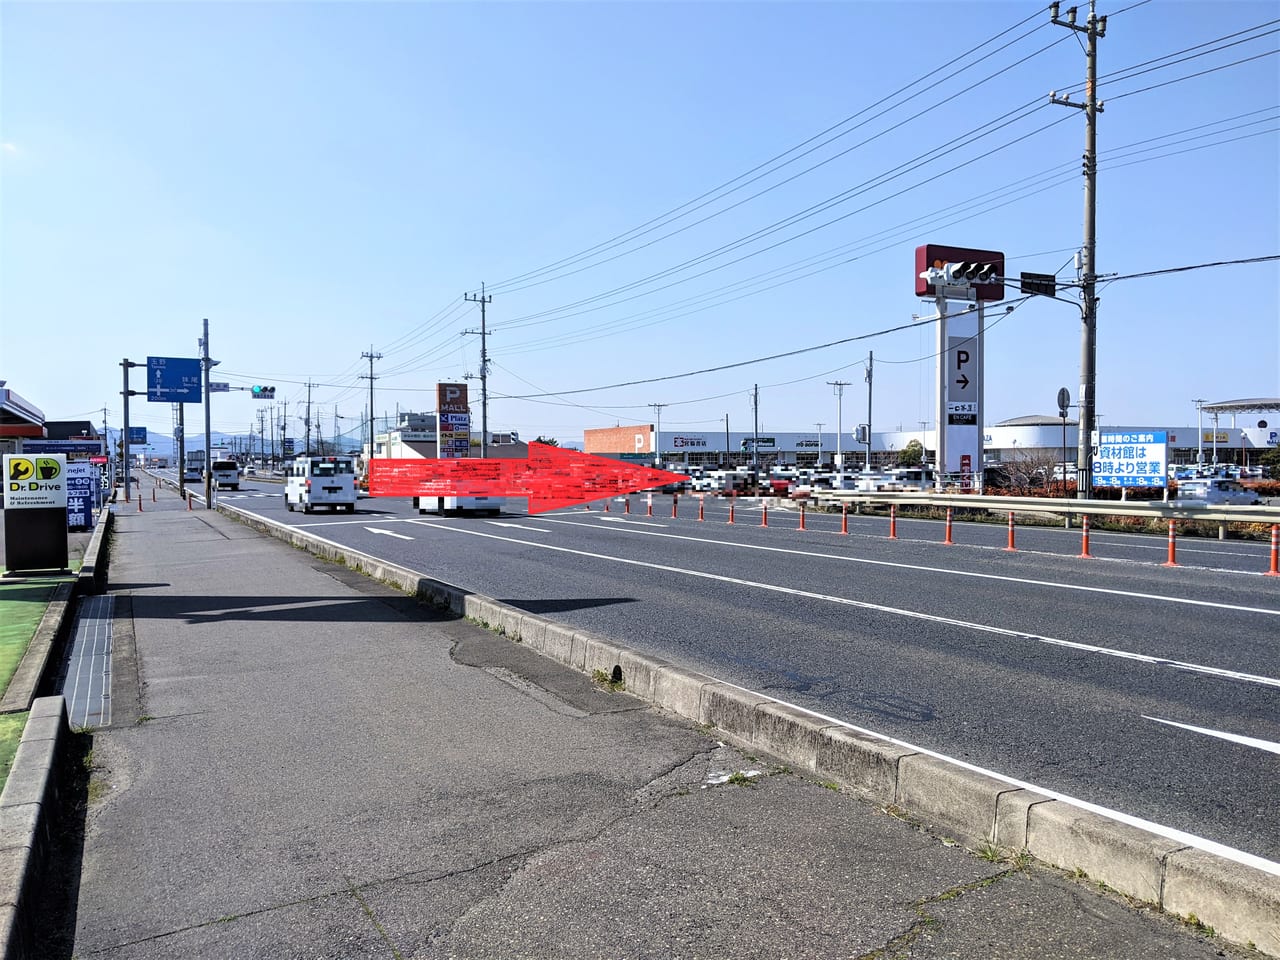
point(912, 455)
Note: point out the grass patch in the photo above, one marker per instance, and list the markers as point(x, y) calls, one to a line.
point(1191, 920)
point(22, 605)
point(11, 727)
point(989, 852)
point(614, 683)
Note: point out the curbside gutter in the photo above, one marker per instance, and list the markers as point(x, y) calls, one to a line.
point(1241, 903)
point(31, 802)
point(30, 806)
point(55, 625)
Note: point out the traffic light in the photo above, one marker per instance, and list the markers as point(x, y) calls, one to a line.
point(969, 272)
point(959, 272)
point(263, 393)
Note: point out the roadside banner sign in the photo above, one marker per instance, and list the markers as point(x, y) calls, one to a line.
point(173, 379)
point(35, 482)
point(68, 447)
point(1131, 459)
point(82, 493)
point(35, 511)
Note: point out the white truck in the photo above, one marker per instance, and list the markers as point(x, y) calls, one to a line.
point(312, 482)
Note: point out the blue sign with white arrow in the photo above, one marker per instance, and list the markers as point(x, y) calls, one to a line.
point(173, 379)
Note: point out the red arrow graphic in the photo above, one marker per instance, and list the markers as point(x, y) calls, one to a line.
point(551, 477)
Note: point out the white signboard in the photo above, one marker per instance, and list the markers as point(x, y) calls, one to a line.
point(1131, 459)
point(963, 384)
point(35, 481)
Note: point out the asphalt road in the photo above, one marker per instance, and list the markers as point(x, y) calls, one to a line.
point(1084, 677)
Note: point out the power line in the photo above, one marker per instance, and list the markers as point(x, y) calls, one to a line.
point(435, 351)
point(659, 220)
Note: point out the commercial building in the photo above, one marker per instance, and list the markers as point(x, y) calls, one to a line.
point(1042, 439)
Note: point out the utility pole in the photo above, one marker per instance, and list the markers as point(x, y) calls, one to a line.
point(871, 360)
point(755, 436)
point(370, 356)
point(306, 422)
point(727, 453)
point(839, 391)
point(484, 367)
point(1094, 28)
point(262, 435)
point(284, 426)
point(657, 435)
point(206, 364)
point(126, 364)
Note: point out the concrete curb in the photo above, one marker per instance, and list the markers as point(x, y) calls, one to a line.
point(29, 807)
point(55, 625)
point(30, 802)
point(1241, 903)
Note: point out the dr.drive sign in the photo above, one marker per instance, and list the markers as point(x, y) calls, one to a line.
point(1131, 460)
point(37, 481)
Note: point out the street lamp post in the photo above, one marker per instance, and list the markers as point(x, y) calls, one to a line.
point(1199, 432)
point(839, 391)
point(657, 434)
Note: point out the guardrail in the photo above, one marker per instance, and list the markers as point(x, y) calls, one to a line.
point(1067, 508)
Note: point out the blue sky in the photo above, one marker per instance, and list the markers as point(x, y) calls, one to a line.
point(325, 179)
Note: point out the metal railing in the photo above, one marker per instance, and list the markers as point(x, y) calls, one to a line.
point(1067, 508)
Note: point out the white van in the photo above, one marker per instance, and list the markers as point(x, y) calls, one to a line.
point(321, 482)
point(1215, 491)
point(490, 506)
point(226, 473)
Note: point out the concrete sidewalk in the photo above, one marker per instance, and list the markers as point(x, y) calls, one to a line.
point(304, 764)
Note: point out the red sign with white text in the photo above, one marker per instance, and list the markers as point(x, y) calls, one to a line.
point(550, 478)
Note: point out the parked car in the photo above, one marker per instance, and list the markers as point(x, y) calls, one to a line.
point(1216, 491)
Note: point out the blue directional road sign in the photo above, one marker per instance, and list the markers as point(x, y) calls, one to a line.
point(173, 379)
point(138, 436)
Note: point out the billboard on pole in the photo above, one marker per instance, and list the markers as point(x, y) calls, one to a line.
point(453, 417)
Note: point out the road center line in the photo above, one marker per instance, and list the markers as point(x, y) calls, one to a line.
point(895, 611)
point(1027, 581)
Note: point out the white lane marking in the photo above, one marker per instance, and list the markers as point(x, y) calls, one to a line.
point(955, 573)
point(898, 611)
point(1267, 745)
point(388, 533)
point(1179, 836)
point(623, 520)
point(1209, 846)
point(324, 523)
point(518, 526)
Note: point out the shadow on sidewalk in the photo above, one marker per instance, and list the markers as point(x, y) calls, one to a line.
point(57, 887)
